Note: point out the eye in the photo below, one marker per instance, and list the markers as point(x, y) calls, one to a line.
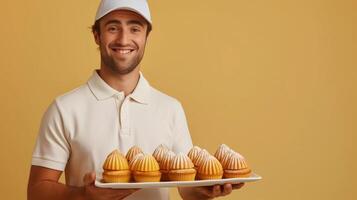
point(112, 29)
point(136, 29)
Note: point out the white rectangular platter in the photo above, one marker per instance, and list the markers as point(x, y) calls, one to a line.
point(197, 183)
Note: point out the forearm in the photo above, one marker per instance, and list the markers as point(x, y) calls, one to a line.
point(45, 190)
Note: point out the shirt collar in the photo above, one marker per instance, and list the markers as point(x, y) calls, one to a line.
point(102, 90)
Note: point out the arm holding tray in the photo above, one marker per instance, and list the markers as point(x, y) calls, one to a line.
point(43, 184)
point(207, 192)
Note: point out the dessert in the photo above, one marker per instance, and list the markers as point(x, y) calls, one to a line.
point(236, 167)
point(227, 156)
point(116, 168)
point(134, 160)
point(146, 169)
point(200, 157)
point(193, 153)
point(133, 151)
point(210, 168)
point(221, 152)
point(182, 168)
point(165, 165)
point(160, 152)
point(132, 164)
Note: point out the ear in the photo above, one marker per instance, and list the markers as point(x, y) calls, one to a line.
point(96, 37)
point(147, 34)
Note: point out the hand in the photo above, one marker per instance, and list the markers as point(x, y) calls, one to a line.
point(94, 193)
point(208, 192)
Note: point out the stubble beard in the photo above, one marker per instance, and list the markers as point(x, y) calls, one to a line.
point(116, 67)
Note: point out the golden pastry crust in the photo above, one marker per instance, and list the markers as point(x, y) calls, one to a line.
point(182, 174)
point(239, 173)
point(164, 175)
point(147, 176)
point(208, 177)
point(122, 176)
point(116, 173)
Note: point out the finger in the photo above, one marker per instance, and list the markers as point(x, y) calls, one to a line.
point(227, 189)
point(216, 191)
point(205, 191)
point(124, 193)
point(237, 186)
point(131, 191)
point(127, 191)
point(89, 178)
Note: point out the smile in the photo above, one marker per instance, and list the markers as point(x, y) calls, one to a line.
point(123, 51)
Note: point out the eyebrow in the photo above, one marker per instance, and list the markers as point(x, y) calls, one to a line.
point(130, 22)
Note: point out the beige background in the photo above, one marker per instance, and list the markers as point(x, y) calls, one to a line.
point(273, 79)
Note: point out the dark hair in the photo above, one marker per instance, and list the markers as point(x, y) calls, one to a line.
point(96, 27)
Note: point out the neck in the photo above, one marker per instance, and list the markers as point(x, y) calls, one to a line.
point(124, 83)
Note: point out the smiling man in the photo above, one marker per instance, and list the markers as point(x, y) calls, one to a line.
point(115, 109)
point(121, 57)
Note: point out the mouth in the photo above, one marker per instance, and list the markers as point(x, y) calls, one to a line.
point(122, 51)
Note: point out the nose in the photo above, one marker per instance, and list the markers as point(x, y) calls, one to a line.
point(123, 37)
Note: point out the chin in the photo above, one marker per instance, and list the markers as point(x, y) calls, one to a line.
point(123, 71)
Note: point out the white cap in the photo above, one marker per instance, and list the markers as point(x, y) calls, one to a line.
point(139, 6)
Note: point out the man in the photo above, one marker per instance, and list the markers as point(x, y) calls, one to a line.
point(116, 108)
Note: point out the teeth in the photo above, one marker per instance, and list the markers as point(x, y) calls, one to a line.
point(124, 51)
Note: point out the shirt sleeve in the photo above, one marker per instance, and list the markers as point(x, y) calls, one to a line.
point(52, 148)
point(182, 138)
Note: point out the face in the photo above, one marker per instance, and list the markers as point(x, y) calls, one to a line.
point(121, 41)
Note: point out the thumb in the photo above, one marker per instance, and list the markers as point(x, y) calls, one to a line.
point(89, 178)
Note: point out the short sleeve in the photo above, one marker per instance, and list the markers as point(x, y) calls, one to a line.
point(182, 138)
point(52, 148)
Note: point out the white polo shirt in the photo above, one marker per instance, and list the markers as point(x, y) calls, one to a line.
point(81, 127)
